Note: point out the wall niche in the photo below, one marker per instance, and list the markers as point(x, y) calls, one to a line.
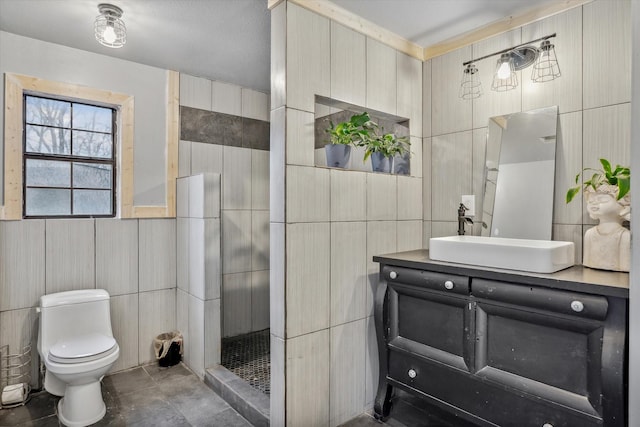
point(329, 111)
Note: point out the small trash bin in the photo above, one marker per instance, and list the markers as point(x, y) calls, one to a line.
point(168, 348)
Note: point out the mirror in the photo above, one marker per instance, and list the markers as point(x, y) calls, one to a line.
point(520, 175)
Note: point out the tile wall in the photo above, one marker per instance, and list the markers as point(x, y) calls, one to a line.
point(594, 107)
point(134, 260)
point(326, 224)
point(225, 130)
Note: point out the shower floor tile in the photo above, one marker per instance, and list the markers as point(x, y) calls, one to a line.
point(248, 356)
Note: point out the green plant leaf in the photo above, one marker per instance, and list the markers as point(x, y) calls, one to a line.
point(571, 193)
point(624, 185)
point(606, 166)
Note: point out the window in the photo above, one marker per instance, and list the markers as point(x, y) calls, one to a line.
point(69, 159)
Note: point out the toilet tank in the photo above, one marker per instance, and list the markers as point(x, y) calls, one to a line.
point(73, 313)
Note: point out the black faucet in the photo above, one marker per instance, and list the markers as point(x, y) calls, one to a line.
point(462, 219)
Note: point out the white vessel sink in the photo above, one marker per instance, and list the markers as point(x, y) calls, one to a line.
point(537, 256)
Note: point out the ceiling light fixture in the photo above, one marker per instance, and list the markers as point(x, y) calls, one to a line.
point(110, 30)
point(516, 58)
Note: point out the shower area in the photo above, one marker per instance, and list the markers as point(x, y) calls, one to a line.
point(223, 239)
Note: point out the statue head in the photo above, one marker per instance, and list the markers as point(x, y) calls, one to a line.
point(603, 202)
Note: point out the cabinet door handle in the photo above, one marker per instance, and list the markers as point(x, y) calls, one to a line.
point(448, 284)
point(412, 373)
point(577, 306)
point(393, 274)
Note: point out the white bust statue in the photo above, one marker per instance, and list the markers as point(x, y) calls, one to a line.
point(607, 246)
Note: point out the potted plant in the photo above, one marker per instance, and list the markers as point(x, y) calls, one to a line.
point(607, 246)
point(382, 148)
point(343, 135)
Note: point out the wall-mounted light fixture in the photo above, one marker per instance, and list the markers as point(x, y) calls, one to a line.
point(516, 58)
point(109, 28)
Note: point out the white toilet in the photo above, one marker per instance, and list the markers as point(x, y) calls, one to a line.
point(77, 347)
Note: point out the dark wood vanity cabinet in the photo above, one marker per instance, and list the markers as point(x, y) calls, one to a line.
point(501, 350)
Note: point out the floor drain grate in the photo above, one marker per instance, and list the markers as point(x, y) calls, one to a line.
point(248, 356)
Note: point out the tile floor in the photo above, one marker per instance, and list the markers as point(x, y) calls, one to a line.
point(145, 396)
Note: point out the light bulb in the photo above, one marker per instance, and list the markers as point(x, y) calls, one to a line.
point(504, 71)
point(109, 34)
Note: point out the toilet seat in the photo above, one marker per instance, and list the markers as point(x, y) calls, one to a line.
point(83, 348)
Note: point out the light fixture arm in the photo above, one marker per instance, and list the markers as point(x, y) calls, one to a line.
point(508, 49)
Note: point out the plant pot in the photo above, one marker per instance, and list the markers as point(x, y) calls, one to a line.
point(337, 155)
point(380, 163)
point(401, 164)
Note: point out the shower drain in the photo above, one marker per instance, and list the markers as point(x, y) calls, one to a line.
point(248, 356)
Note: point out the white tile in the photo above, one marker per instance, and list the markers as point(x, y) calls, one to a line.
point(182, 323)
point(259, 240)
point(70, 254)
point(236, 304)
point(182, 253)
point(348, 195)
point(236, 178)
point(426, 178)
point(196, 257)
point(348, 271)
point(371, 363)
point(381, 77)
point(117, 256)
point(409, 98)
point(426, 229)
point(381, 197)
point(478, 161)
point(196, 335)
point(212, 258)
point(348, 349)
point(348, 65)
point(157, 254)
point(307, 278)
point(236, 241)
point(204, 195)
point(409, 198)
point(22, 263)
point(277, 279)
point(226, 98)
point(450, 174)
point(308, 368)
point(307, 194)
point(206, 158)
point(277, 398)
point(493, 103)
point(426, 98)
point(124, 322)
point(195, 92)
point(444, 228)
point(570, 233)
point(19, 328)
point(565, 91)
point(184, 158)
point(568, 164)
point(300, 137)
point(449, 113)
point(381, 239)
point(409, 235)
point(307, 75)
point(416, 156)
point(260, 179)
point(277, 165)
point(259, 300)
point(606, 40)
point(278, 57)
point(212, 333)
point(157, 314)
point(182, 197)
point(255, 105)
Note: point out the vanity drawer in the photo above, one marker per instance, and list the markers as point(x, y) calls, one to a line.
point(427, 279)
point(558, 301)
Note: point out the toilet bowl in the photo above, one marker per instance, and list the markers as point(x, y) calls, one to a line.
point(77, 347)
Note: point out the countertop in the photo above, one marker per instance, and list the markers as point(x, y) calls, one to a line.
point(576, 278)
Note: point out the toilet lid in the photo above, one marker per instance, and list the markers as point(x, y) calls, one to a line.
point(82, 348)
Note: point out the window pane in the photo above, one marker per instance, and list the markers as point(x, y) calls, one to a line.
point(92, 118)
point(48, 173)
point(47, 140)
point(91, 175)
point(44, 201)
point(92, 144)
point(49, 112)
point(92, 202)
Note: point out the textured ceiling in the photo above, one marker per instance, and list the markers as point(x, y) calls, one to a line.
point(229, 40)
